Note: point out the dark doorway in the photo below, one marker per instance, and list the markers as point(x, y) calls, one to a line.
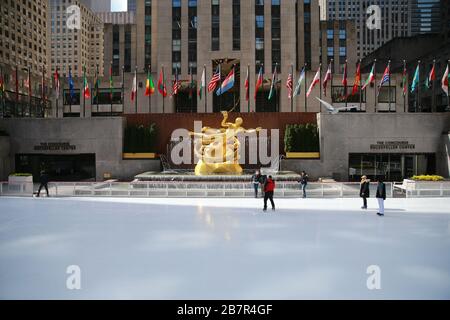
point(77, 167)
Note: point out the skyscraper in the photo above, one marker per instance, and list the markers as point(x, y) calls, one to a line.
point(426, 16)
point(395, 20)
point(98, 5)
point(131, 5)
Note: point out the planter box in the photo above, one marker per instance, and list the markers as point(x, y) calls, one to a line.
point(303, 155)
point(139, 156)
point(24, 183)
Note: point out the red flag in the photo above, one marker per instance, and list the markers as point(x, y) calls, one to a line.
point(315, 81)
point(327, 78)
point(289, 85)
point(134, 87)
point(357, 80)
point(57, 83)
point(161, 85)
point(247, 87)
point(259, 81)
point(344, 77)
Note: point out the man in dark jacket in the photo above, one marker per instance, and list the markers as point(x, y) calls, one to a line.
point(43, 179)
point(364, 191)
point(269, 188)
point(255, 182)
point(303, 182)
point(381, 197)
point(262, 182)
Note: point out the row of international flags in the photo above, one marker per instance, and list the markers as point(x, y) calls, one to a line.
point(220, 87)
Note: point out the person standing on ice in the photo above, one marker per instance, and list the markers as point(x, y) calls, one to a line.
point(269, 188)
point(43, 179)
point(303, 182)
point(364, 191)
point(255, 182)
point(381, 197)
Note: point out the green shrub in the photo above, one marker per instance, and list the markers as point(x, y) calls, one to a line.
point(427, 178)
point(301, 138)
point(140, 139)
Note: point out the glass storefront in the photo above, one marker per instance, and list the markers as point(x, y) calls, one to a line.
point(77, 167)
point(390, 166)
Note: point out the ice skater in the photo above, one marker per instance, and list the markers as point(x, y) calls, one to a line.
point(381, 197)
point(43, 179)
point(269, 188)
point(262, 183)
point(303, 182)
point(364, 191)
point(255, 181)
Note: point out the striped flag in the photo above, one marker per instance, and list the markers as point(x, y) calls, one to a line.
point(289, 85)
point(214, 80)
point(315, 81)
point(385, 78)
point(328, 76)
point(370, 78)
point(431, 77)
point(134, 87)
point(259, 81)
point(446, 80)
point(405, 80)
point(176, 84)
point(247, 86)
point(298, 87)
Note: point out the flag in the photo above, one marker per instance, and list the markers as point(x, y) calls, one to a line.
point(357, 80)
point(328, 76)
point(191, 85)
point(416, 79)
point(57, 84)
point(247, 86)
point(315, 81)
point(274, 83)
point(298, 87)
point(227, 84)
point(289, 85)
point(17, 84)
point(2, 85)
point(96, 84)
point(71, 85)
point(134, 87)
point(176, 85)
point(446, 80)
point(161, 86)
point(149, 85)
point(431, 77)
point(405, 80)
point(370, 78)
point(344, 76)
point(385, 78)
point(202, 84)
point(111, 84)
point(214, 80)
point(86, 91)
point(259, 81)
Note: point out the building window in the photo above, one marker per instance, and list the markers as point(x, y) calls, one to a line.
point(236, 25)
point(215, 25)
point(116, 51)
point(176, 36)
point(259, 35)
point(307, 34)
point(276, 34)
point(192, 35)
point(148, 32)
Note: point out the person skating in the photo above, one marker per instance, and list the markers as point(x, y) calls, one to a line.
point(262, 183)
point(269, 188)
point(43, 179)
point(381, 197)
point(303, 182)
point(255, 182)
point(364, 191)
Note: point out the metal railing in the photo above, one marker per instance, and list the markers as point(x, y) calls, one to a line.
point(423, 189)
point(187, 189)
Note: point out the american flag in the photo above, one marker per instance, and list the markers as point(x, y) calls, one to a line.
point(214, 80)
point(176, 85)
point(289, 86)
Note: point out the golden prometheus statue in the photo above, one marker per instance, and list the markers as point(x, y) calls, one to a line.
point(218, 149)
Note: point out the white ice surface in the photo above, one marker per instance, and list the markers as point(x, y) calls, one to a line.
point(223, 248)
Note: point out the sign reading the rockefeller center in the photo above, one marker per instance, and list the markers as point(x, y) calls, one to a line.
point(54, 146)
point(392, 145)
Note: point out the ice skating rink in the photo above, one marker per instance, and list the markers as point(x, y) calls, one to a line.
point(223, 248)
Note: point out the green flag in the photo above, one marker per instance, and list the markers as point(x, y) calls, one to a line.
point(416, 79)
point(274, 83)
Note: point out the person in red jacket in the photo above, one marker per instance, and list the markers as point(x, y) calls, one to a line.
point(269, 188)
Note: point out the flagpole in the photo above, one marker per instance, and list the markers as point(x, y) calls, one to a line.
point(70, 94)
point(29, 91)
point(375, 85)
point(345, 87)
point(360, 91)
point(292, 92)
point(433, 98)
point(3, 91)
point(418, 91)
point(404, 94)
point(123, 90)
point(390, 94)
point(204, 89)
point(149, 70)
point(136, 97)
point(275, 80)
point(306, 89)
point(320, 86)
point(331, 80)
point(57, 92)
point(163, 84)
point(220, 86)
point(176, 84)
point(190, 87)
point(43, 93)
point(84, 91)
point(248, 100)
point(111, 92)
point(234, 92)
